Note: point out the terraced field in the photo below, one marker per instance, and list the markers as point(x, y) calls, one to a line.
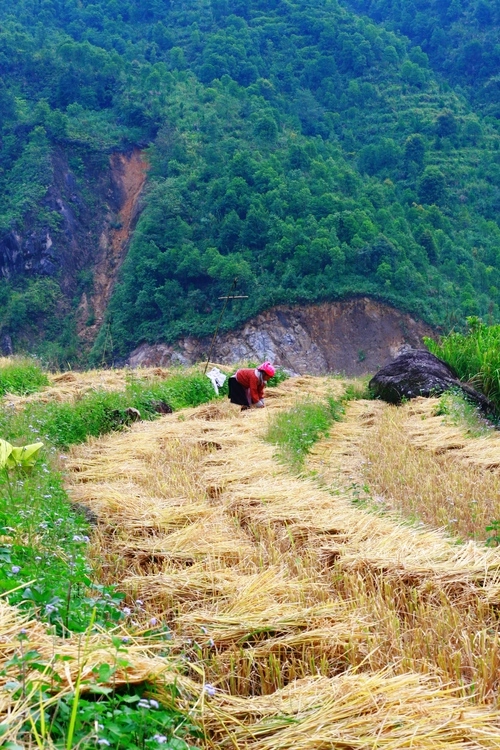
point(352, 606)
point(318, 611)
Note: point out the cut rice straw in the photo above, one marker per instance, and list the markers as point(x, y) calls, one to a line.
point(268, 580)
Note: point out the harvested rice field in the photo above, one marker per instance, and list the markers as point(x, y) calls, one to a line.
point(308, 617)
point(352, 606)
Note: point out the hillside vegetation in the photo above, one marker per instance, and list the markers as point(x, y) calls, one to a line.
point(303, 150)
point(461, 40)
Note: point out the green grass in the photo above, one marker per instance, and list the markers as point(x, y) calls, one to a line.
point(100, 412)
point(475, 356)
point(22, 376)
point(296, 430)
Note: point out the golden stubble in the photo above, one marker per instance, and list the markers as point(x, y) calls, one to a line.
point(427, 470)
point(317, 620)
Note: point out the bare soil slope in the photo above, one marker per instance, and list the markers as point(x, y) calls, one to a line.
point(129, 175)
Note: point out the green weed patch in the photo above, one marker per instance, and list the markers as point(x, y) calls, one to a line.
point(22, 376)
point(296, 430)
point(122, 721)
point(474, 355)
point(100, 412)
point(457, 410)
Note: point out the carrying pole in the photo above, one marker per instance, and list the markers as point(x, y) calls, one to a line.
point(226, 298)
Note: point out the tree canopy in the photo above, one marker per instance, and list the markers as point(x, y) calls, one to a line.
point(306, 151)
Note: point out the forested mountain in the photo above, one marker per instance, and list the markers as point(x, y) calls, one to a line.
point(460, 38)
point(306, 151)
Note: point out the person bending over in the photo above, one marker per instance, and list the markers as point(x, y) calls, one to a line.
point(246, 386)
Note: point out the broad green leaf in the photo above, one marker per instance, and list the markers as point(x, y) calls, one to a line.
point(101, 690)
point(24, 456)
point(5, 451)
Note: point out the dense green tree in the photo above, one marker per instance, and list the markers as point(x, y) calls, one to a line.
point(432, 186)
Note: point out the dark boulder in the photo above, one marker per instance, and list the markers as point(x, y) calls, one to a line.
point(161, 407)
point(417, 372)
point(87, 513)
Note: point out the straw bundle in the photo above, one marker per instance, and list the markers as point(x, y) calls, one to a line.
point(355, 711)
point(193, 586)
point(209, 536)
point(126, 502)
point(288, 622)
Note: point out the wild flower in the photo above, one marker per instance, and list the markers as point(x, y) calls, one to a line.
point(145, 703)
point(160, 738)
point(210, 689)
point(15, 569)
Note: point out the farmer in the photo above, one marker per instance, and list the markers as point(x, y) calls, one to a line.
point(246, 386)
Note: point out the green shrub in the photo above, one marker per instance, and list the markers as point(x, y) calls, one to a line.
point(278, 377)
point(22, 376)
point(474, 355)
point(179, 391)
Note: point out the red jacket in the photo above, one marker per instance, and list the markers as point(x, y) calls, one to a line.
point(253, 381)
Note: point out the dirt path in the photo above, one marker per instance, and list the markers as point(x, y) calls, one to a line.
point(312, 622)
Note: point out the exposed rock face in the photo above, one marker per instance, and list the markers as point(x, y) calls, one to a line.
point(67, 247)
point(94, 211)
point(33, 253)
point(419, 373)
point(354, 337)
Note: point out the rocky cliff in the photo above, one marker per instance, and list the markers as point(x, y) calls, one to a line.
point(64, 244)
point(78, 236)
point(354, 337)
